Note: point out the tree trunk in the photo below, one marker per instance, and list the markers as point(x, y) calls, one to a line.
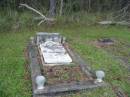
point(52, 10)
point(61, 7)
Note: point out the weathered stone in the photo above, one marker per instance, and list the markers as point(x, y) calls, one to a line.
point(54, 53)
point(75, 86)
point(43, 36)
point(50, 91)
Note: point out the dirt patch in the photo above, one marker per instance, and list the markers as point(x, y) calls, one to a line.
point(26, 66)
point(63, 74)
point(103, 42)
point(117, 48)
point(119, 92)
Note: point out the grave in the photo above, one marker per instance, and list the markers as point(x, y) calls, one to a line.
point(64, 71)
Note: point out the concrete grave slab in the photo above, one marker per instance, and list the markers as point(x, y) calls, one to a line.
point(54, 53)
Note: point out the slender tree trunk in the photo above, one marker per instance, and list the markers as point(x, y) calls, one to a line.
point(52, 10)
point(89, 5)
point(61, 7)
point(82, 5)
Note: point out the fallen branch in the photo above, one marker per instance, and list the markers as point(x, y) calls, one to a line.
point(43, 19)
point(114, 22)
point(106, 22)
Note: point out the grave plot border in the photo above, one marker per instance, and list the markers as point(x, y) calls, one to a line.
point(51, 91)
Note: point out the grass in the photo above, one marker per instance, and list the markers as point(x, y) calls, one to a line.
point(13, 75)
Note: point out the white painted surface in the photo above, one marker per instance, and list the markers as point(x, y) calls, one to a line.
point(40, 81)
point(105, 22)
point(54, 53)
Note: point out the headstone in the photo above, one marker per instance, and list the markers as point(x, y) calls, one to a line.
point(52, 49)
point(43, 37)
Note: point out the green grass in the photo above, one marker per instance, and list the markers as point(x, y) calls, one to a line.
point(13, 82)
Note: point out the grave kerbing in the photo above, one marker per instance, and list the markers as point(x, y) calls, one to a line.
point(60, 88)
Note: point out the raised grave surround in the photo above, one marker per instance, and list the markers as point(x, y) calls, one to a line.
point(61, 88)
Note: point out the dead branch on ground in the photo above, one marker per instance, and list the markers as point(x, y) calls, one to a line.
point(43, 19)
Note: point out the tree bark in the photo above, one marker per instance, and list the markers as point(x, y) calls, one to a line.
point(52, 11)
point(61, 7)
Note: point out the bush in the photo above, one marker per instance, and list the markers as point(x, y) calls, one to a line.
point(15, 21)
